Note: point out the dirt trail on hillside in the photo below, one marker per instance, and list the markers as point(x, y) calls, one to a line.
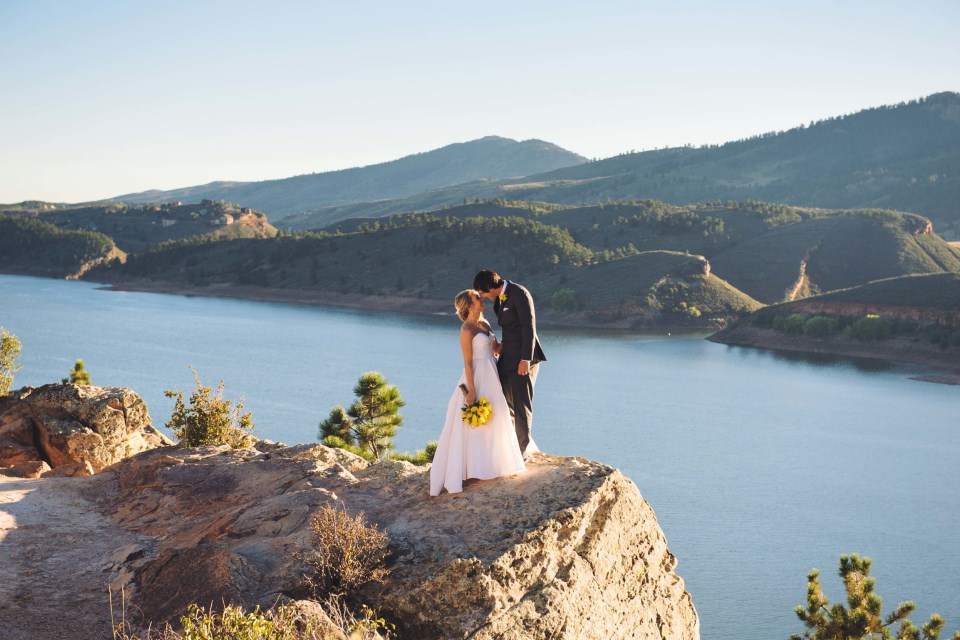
point(56, 560)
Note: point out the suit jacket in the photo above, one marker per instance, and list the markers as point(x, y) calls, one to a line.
point(518, 319)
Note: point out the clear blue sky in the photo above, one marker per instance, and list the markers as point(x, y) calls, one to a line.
point(109, 97)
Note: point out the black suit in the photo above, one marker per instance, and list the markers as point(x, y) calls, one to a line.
point(518, 319)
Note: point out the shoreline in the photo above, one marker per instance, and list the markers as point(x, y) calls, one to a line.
point(943, 366)
point(429, 307)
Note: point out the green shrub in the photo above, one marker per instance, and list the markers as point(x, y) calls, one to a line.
point(794, 323)
point(566, 300)
point(283, 622)
point(420, 457)
point(820, 326)
point(871, 327)
point(9, 352)
point(778, 323)
point(209, 420)
point(862, 621)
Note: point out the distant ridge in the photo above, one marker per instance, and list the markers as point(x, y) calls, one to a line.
point(489, 158)
point(904, 157)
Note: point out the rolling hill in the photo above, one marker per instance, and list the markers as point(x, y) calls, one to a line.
point(34, 247)
point(834, 251)
point(940, 291)
point(904, 157)
point(488, 158)
point(769, 252)
point(138, 228)
point(432, 258)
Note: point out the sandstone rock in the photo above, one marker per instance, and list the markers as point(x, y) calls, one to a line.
point(569, 549)
point(29, 469)
point(13, 453)
point(67, 424)
point(75, 470)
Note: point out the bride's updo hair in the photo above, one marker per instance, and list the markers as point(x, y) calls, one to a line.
point(463, 301)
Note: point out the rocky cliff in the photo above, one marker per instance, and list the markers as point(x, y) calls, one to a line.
point(68, 429)
point(569, 549)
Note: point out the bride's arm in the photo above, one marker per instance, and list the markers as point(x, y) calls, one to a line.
point(466, 345)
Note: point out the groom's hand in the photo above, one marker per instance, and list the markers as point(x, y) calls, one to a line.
point(523, 368)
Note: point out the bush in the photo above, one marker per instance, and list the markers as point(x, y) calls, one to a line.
point(209, 420)
point(778, 323)
point(820, 326)
point(348, 553)
point(871, 327)
point(9, 352)
point(283, 622)
point(794, 323)
point(565, 300)
point(420, 457)
point(862, 621)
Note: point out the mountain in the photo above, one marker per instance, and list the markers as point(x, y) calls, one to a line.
point(904, 157)
point(488, 158)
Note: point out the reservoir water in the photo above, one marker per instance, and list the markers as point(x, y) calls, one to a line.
point(758, 466)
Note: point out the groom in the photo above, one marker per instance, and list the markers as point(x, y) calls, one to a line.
point(519, 360)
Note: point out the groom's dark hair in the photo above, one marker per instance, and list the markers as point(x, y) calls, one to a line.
point(487, 280)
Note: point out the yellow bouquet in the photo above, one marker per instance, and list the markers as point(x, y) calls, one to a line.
point(477, 413)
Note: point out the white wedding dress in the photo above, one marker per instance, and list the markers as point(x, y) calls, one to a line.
point(484, 452)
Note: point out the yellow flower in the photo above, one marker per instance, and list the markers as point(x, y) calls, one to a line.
point(503, 297)
point(476, 414)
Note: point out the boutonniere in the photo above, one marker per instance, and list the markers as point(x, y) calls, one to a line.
point(503, 297)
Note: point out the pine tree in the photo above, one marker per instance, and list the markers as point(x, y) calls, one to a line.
point(368, 427)
point(78, 375)
point(9, 352)
point(862, 621)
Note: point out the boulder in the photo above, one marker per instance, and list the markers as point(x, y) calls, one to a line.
point(75, 470)
point(569, 549)
point(28, 469)
point(75, 425)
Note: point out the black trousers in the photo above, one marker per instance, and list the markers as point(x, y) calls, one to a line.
point(518, 391)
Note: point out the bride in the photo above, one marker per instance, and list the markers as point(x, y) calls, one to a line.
point(490, 450)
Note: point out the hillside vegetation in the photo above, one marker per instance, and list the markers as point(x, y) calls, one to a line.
point(484, 159)
point(38, 248)
point(640, 263)
point(135, 229)
point(433, 257)
point(904, 157)
point(911, 318)
point(770, 252)
point(938, 291)
point(834, 251)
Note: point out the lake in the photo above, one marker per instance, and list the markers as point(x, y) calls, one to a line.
point(759, 466)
